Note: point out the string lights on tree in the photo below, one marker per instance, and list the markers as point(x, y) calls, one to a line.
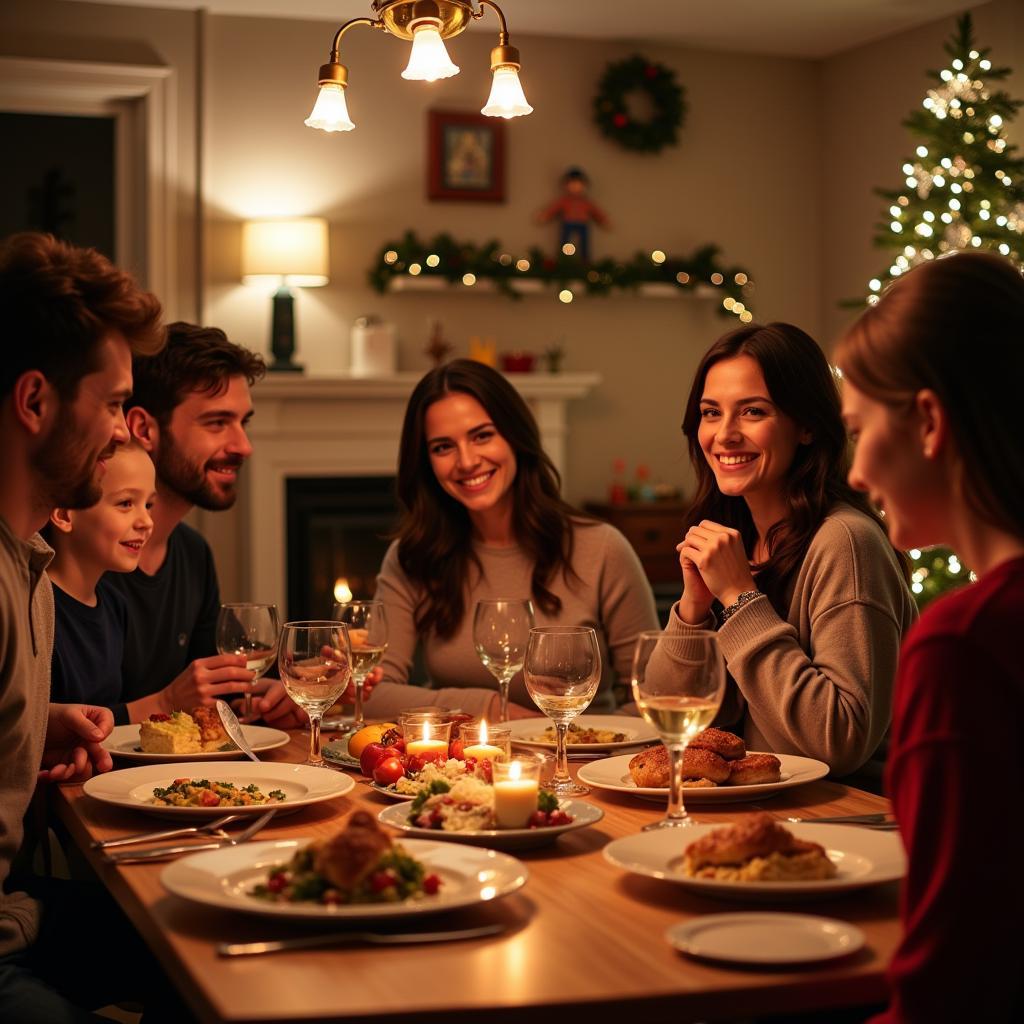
point(964, 184)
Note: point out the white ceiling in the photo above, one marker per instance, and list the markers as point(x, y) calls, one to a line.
point(787, 28)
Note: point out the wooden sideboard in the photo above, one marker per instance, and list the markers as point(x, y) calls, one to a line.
point(654, 528)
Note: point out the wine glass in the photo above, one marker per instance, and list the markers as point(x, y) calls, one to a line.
point(252, 630)
point(678, 685)
point(368, 634)
point(562, 672)
point(315, 662)
point(501, 629)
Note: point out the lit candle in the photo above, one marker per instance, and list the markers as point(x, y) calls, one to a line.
point(516, 785)
point(482, 750)
point(430, 747)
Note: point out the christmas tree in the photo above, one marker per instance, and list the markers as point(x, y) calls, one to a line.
point(963, 188)
point(964, 185)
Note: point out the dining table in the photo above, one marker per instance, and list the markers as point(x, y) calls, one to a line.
point(581, 937)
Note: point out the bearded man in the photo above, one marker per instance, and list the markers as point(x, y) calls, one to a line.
point(190, 410)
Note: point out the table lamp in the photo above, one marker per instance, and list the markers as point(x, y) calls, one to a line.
point(288, 253)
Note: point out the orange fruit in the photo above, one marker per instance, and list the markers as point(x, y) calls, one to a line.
point(368, 734)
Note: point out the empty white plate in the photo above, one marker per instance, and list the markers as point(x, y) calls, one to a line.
point(765, 938)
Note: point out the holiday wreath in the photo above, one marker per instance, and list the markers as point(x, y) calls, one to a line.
point(613, 115)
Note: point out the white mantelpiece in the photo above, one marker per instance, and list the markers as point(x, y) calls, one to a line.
point(350, 426)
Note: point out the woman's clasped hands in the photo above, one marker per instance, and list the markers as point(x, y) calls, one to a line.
point(715, 565)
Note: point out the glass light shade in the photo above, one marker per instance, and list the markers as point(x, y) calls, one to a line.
point(429, 59)
point(330, 112)
point(507, 98)
point(292, 251)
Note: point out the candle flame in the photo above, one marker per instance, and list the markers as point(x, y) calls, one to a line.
point(342, 593)
point(483, 731)
point(515, 769)
point(426, 732)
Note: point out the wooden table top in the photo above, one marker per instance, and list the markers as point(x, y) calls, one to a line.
point(581, 934)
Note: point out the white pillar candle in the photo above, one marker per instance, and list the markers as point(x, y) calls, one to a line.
point(516, 787)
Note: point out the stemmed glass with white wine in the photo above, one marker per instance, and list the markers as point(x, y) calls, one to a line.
point(501, 629)
point(678, 685)
point(368, 634)
point(251, 630)
point(315, 663)
point(562, 672)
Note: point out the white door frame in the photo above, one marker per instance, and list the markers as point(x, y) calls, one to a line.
point(141, 99)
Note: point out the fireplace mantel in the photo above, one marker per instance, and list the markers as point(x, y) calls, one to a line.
point(350, 426)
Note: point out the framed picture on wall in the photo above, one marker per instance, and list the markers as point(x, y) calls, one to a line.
point(465, 157)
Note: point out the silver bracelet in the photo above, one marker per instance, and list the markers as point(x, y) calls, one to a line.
point(745, 598)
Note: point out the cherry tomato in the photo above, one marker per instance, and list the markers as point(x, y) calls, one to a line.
point(372, 755)
point(539, 819)
point(413, 764)
point(388, 771)
point(381, 880)
point(431, 884)
point(559, 817)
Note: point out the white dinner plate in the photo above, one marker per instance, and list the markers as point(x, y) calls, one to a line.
point(613, 775)
point(224, 878)
point(123, 741)
point(862, 857)
point(764, 938)
point(584, 815)
point(527, 732)
point(302, 784)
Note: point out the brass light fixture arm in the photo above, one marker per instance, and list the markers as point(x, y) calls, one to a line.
point(503, 55)
point(503, 31)
point(371, 22)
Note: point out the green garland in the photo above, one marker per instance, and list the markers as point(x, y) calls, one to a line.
point(458, 262)
point(612, 113)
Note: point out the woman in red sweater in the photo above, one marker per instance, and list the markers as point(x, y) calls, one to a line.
point(933, 374)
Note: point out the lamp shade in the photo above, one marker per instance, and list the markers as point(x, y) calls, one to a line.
point(292, 251)
point(428, 59)
point(330, 112)
point(507, 98)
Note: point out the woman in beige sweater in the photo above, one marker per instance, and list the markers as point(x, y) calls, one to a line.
point(784, 557)
point(483, 518)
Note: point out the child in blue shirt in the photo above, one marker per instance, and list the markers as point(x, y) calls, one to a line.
point(90, 615)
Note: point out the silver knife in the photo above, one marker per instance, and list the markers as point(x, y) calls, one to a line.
point(344, 938)
point(234, 729)
point(158, 853)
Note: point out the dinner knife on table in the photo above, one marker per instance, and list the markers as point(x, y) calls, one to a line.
point(346, 938)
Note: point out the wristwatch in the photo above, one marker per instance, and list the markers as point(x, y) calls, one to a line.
point(745, 598)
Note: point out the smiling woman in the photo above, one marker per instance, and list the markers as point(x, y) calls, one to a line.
point(790, 563)
point(482, 518)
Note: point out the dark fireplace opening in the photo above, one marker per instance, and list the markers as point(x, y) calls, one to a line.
point(338, 530)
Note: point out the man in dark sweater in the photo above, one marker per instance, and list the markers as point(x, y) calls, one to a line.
point(189, 409)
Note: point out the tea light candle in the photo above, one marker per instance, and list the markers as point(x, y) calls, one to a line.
point(481, 749)
point(516, 786)
point(432, 744)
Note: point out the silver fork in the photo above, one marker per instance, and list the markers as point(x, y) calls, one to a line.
point(213, 828)
point(137, 856)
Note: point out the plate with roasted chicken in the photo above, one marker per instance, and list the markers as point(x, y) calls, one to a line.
point(359, 872)
point(760, 859)
point(196, 735)
point(717, 768)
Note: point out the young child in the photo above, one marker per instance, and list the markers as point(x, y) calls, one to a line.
point(90, 614)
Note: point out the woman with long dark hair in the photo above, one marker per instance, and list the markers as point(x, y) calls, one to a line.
point(790, 563)
point(482, 517)
point(931, 394)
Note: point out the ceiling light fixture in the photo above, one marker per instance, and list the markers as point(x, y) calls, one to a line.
point(428, 23)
